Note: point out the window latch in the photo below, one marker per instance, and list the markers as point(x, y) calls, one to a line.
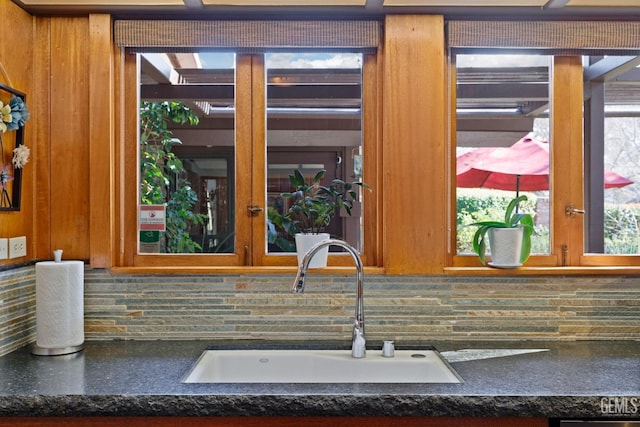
point(572, 211)
point(254, 210)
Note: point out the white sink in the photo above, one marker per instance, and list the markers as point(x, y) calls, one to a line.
point(319, 366)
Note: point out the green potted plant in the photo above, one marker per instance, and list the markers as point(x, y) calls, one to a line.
point(311, 206)
point(163, 177)
point(509, 239)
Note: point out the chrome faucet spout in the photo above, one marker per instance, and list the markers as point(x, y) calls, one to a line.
point(358, 341)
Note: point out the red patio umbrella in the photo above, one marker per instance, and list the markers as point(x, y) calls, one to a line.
point(524, 166)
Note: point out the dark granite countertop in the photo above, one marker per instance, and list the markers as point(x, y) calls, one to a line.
point(572, 379)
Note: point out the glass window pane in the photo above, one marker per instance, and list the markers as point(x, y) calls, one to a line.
point(314, 122)
point(502, 141)
point(612, 137)
point(187, 118)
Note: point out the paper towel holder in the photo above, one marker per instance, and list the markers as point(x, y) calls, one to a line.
point(59, 308)
point(41, 351)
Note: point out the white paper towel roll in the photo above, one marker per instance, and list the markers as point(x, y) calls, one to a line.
point(59, 304)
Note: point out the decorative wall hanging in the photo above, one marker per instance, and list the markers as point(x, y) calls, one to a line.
point(13, 115)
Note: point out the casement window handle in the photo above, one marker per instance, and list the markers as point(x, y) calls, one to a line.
point(573, 211)
point(254, 210)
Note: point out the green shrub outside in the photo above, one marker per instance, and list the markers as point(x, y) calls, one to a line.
point(483, 205)
point(621, 232)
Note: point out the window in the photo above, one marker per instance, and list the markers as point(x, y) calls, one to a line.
point(612, 141)
point(234, 127)
point(256, 98)
point(592, 217)
point(314, 122)
point(503, 143)
point(187, 151)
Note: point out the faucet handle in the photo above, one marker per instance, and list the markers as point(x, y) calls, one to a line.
point(388, 349)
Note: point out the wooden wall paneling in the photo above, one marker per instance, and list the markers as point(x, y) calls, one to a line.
point(70, 136)
point(566, 157)
point(101, 142)
point(17, 59)
point(414, 145)
point(41, 116)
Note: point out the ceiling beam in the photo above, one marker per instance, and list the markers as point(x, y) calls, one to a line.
point(610, 67)
point(631, 77)
point(536, 109)
point(320, 93)
point(508, 91)
point(155, 66)
point(504, 124)
point(314, 91)
point(186, 92)
point(184, 60)
point(555, 4)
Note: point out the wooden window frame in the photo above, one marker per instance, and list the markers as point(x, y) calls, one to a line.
point(566, 178)
point(250, 155)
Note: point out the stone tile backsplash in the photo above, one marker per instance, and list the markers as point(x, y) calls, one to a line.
point(17, 308)
point(423, 308)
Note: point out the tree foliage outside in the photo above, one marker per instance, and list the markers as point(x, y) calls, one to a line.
point(163, 177)
point(621, 154)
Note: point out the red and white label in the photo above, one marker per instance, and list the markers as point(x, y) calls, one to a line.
point(152, 217)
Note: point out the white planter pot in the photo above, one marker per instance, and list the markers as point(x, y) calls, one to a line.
point(506, 247)
point(305, 241)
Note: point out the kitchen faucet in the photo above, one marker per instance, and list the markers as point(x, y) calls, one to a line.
point(358, 341)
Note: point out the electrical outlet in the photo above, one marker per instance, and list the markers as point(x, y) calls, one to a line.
point(17, 247)
point(4, 248)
